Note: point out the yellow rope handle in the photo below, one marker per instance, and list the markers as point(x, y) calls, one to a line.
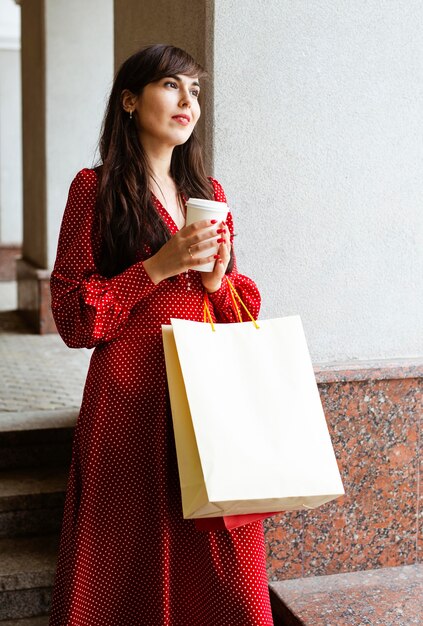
point(236, 307)
point(207, 311)
point(233, 293)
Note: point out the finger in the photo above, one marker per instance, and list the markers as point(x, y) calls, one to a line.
point(220, 267)
point(195, 233)
point(201, 236)
point(202, 260)
point(204, 224)
point(224, 250)
point(204, 246)
point(224, 254)
point(218, 271)
point(199, 226)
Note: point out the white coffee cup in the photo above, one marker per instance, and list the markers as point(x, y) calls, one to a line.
point(201, 209)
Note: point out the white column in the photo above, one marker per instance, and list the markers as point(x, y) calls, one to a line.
point(10, 125)
point(79, 73)
point(67, 70)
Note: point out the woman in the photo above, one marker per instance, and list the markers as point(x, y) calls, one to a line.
point(125, 266)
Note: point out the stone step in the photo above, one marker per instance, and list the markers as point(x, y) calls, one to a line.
point(391, 596)
point(32, 500)
point(36, 438)
point(27, 569)
point(29, 621)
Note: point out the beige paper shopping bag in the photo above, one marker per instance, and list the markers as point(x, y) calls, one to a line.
point(250, 431)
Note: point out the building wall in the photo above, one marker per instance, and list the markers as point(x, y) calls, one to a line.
point(312, 122)
point(318, 142)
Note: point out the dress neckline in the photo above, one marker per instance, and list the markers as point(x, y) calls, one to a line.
point(166, 213)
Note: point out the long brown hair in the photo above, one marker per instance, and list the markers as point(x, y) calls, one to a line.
point(128, 219)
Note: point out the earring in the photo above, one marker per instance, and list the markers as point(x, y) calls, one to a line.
point(130, 115)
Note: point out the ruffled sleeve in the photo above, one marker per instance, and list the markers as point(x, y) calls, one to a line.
point(247, 289)
point(88, 308)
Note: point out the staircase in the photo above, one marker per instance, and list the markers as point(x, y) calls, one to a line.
point(356, 561)
point(35, 451)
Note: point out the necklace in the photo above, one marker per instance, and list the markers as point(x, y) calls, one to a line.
point(179, 204)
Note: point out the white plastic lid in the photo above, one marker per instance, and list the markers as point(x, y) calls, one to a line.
point(207, 205)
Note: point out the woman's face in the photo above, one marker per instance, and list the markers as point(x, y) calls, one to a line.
point(168, 110)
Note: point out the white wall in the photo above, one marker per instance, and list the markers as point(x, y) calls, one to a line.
point(79, 74)
point(319, 144)
point(10, 125)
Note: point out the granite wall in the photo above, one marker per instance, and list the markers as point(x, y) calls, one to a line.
point(374, 414)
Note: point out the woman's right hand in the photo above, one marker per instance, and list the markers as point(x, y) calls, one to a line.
point(174, 256)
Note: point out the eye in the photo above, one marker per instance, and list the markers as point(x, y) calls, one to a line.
point(170, 82)
point(195, 92)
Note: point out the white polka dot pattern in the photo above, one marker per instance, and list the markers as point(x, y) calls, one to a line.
point(127, 557)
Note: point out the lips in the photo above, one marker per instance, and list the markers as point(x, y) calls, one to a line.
point(182, 119)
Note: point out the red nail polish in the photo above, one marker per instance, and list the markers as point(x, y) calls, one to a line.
point(221, 230)
point(213, 221)
point(220, 261)
point(221, 240)
point(216, 256)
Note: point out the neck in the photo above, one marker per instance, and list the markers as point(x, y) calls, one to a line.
point(159, 158)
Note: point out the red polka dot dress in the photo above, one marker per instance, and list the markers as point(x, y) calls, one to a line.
point(127, 557)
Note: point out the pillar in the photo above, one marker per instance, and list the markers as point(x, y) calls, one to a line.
point(67, 68)
point(10, 140)
point(188, 26)
point(311, 122)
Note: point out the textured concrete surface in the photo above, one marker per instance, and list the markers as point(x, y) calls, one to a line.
point(29, 621)
point(18, 484)
point(36, 438)
point(27, 421)
point(38, 373)
point(25, 603)
point(27, 562)
point(317, 142)
point(32, 500)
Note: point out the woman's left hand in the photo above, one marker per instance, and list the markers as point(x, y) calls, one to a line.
point(213, 280)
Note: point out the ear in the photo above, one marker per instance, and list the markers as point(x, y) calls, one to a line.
point(128, 100)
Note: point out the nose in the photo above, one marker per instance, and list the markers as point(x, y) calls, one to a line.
point(186, 98)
